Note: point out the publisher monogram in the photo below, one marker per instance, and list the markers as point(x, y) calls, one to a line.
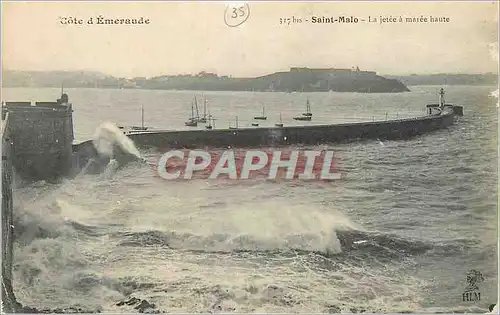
point(471, 292)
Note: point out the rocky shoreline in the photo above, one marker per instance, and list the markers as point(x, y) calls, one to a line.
point(141, 306)
point(144, 307)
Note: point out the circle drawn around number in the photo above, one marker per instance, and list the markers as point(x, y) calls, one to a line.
point(236, 15)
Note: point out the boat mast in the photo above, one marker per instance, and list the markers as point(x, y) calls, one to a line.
point(236, 121)
point(196, 104)
point(205, 108)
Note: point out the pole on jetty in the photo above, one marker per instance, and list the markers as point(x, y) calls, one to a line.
point(142, 116)
point(441, 98)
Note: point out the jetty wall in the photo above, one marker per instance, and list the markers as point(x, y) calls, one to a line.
point(307, 135)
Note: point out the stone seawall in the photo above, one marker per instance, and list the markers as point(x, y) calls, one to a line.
point(8, 298)
point(307, 135)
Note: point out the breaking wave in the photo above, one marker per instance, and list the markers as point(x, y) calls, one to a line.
point(336, 237)
point(49, 263)
point(494, 94)
point(108, 135)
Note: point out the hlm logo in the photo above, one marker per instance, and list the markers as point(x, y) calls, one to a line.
point(471, 292)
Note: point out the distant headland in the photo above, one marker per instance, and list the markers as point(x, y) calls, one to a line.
point(294, 80)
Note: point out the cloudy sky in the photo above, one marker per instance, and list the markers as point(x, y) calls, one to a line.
point(187, 37)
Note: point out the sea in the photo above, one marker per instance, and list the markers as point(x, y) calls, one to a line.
point(399, 231)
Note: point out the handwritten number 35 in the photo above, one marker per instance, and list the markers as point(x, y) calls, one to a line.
point(236, 10)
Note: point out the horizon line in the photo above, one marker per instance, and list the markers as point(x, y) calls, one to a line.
point(243, 77)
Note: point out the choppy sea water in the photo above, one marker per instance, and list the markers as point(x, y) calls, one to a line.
point(398, 232)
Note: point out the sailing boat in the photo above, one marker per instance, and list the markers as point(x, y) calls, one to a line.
point(141, 128)
point(236, 124)
point(307, 116)
point(280, 123)
point(204, 118)
point(211, 121)
point(192, 122)
point(263, 117)
point(308, 109)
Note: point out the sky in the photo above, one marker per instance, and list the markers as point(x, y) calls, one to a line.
point(189, 37)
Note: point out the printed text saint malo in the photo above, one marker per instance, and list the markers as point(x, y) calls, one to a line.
point(340, 19)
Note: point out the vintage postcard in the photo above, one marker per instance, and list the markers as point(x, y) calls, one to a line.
point(250, 157)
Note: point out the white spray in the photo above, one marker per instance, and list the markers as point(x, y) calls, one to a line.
point(495, 95)
point(108, 134)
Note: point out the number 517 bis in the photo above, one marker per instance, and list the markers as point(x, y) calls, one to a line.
point(288, 20)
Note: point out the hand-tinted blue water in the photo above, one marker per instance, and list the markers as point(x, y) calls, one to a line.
point(398, 232)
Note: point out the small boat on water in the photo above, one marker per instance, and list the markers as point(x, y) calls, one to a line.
point(191, 123)
point(303, 118)
point(307, 116)
point(236, 126)
point(255, 124)
point(135, 129)
point(263, 117)
point(280, 124)
point(193, 120)
point(141, 128)
point(211, 122)
point(308, 109)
